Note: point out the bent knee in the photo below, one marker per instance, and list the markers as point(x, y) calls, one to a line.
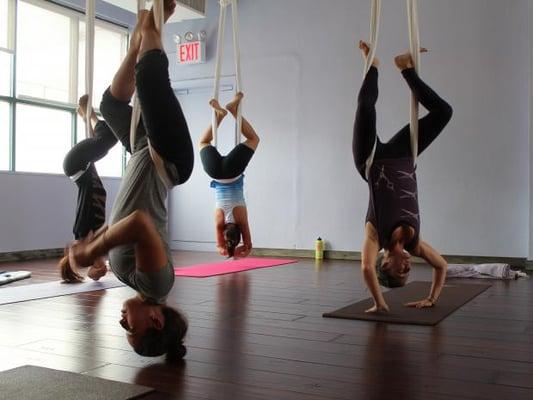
point(185, 171)
point(447, 112)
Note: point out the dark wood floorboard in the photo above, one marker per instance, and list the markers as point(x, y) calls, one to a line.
point(260, 335)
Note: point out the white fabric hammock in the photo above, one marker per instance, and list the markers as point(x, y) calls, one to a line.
point(414, 46)
point(89, 62)
point(224, 4)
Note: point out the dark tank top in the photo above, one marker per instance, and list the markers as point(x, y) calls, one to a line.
point(393, 199)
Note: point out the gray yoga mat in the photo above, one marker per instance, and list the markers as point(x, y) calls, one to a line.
point(54, 289)
point(453, 296)
point(37, 383)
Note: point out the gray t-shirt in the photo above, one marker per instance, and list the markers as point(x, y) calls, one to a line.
point(142, 189)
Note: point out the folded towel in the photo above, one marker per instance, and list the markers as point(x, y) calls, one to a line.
point(483, 271)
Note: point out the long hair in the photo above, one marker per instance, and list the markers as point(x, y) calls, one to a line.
point(168, 340)
point(69, 274)
point(232, 236)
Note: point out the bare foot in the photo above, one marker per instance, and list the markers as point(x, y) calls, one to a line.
point(82, 108)
point(169, 8)
point(404, 61)
point(365, 49)
point(219, 111)
point(378, 309)
point(233, 105)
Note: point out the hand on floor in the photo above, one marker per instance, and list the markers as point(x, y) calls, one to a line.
point(242, 251)
point(382, 308)
point(426, 303)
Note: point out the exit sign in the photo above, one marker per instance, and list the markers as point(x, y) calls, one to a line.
point(191, 53)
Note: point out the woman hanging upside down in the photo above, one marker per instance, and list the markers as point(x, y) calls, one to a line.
point(231, 216)
point(393, 219)
point(90, 209)
point(137, 238)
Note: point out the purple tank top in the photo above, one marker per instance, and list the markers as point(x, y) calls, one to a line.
point(393, 199)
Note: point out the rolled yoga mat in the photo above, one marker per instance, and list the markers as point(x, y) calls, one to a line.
point(229, 267)
point(54, 289)
point(37, 383)
point(453, 296)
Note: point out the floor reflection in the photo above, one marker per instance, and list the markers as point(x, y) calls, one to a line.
point(398, 361)
point(232, 309)
point(168, 378)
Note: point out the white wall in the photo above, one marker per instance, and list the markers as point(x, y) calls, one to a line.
point(37, 211)
point(530, 98)
point(301, 76)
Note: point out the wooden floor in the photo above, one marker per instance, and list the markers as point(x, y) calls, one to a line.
point(260, 335)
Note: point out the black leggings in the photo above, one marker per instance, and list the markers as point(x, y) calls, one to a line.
point(226, 167)
point(89, 150)
point(364, 132)
point(162, 119)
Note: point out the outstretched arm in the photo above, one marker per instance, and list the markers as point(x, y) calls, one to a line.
point(219, 228)
point(439, 264)
point(368, 267)
point(137, 229)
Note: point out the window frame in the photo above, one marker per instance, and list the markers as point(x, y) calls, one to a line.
point(75, 16)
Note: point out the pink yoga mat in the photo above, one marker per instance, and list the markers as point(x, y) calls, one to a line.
point(229, 267)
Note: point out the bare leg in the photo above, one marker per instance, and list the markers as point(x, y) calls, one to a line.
point(252, 140)
point(144, 38)
point(207, 137)
point(151, 37)
point(123, 85)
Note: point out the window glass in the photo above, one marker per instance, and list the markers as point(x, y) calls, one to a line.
point(43, 53)
point(108, 54)
point(4, 23)
point(111, 164)
point(5, 73)
point(4, 135)
point(43, 138)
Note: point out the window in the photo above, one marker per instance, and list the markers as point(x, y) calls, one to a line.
point(43, 53)
point(4, 23)
point(6, 46)
point(109, 49)
point(49, 59)
point(111, 164)
point(43, 138)
point(4, 135)
point(5, 73)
